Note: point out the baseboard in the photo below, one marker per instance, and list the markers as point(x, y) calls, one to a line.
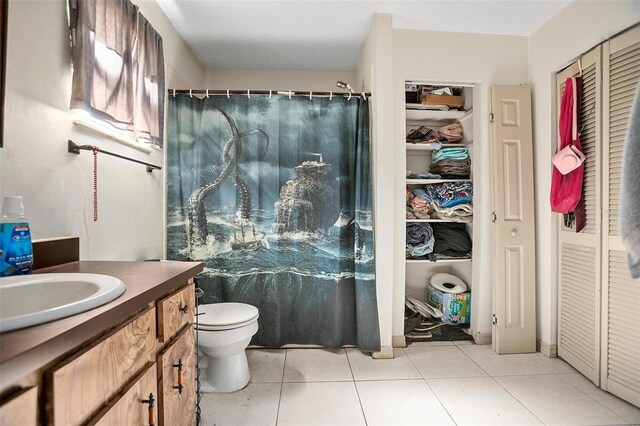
point(482, 338)
point(398, 341)
point(386, 352)
point(546, 349)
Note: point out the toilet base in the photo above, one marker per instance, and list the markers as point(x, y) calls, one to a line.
point(228, 374)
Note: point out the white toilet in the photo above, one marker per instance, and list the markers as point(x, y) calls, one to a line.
point(224, 332)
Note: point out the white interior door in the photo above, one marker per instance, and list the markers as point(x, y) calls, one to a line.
point(620, 355)
point(579, 264)
point(514, 296)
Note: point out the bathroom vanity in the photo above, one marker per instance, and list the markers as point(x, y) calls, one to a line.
point(130, 361)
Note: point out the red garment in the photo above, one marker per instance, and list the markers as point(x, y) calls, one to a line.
point(566, 190)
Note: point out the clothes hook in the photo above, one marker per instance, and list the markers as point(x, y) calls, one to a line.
point(228, 94)
point(190, 93)
point(248, 94)
point(207, 93)
point(580, 66)
point(289, 94)
point(330, 95)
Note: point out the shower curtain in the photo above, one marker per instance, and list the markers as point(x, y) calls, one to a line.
point(273, 194)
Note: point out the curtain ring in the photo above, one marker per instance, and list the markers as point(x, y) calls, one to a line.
point(289, 94)
point(174, 93)
point(364, 96)
point(330, 95)
point(190, 93)
point(269, 94)
point(349, 98)
point(248, 94)
point(228, 94)
point(310, 95)
point(207, 93)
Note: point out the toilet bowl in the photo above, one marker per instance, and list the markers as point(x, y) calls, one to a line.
point(224, 332)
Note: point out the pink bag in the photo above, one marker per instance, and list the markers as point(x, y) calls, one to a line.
point(566, 189)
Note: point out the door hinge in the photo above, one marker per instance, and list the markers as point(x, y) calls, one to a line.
point(494, 217)
point(495, 319)
point(491, 116)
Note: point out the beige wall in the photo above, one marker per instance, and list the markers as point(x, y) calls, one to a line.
point(57, 186)
point(454, 58)
point(319, 81)
point(577, 28)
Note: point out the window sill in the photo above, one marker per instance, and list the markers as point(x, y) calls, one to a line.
point(113, 134)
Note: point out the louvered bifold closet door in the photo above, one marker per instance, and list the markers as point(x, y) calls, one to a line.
point(579, 263)
point(620, 369)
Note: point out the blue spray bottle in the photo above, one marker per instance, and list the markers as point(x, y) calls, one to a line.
point(16, 252)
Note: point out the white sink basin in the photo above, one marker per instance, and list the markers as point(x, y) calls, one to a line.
point(28, 300)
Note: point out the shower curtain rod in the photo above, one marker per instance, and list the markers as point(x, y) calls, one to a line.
point(248, 93)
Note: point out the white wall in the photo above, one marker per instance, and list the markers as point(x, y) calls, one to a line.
point(577, 28)
point(454, 58)
point(57, 186)
point(319, 81)
point(374, 73)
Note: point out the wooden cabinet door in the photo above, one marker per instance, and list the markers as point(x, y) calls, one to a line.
point(178, 406)
point(21, 409)
point(82, 385)
point(133, 407)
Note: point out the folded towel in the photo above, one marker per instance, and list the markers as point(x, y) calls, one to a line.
point(453, 132)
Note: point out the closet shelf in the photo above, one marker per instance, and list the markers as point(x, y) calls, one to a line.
point(429, 181)
point(429, 147)
point(437, 220)
point(438, 261)
point(414, 114)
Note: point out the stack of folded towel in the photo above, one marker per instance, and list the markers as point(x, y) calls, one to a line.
point(451, 163)
point(420, 241)
point(450, 201)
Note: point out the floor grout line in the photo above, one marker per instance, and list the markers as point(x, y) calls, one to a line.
point(429, 386)
point(519, 402)
point(364, 416)
point(607, 408)
point(284, 366)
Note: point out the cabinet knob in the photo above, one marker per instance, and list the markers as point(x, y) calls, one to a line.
point(179, 366)
point(152, 403)
point(184, 309)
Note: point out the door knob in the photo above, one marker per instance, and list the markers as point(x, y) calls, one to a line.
point(514, 232)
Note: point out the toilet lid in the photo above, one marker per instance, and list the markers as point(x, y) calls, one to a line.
point(226, 314)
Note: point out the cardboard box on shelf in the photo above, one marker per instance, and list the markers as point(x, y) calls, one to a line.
point(450, 101)
point(456, 308)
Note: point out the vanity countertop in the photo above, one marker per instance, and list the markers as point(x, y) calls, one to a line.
point(41, 344)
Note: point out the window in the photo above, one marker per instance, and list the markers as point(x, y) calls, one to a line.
point(118, 70)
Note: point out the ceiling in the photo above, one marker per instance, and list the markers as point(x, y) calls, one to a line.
point(328, 35)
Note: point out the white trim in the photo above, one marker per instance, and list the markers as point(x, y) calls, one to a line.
point(398, 341)
point(386, 352)
point(108, 131)
point(546, 349)
point(482, 338)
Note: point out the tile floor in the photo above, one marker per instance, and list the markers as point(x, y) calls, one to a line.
point(438, 383)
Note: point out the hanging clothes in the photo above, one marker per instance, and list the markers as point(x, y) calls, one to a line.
point(566, 190)
point(630, 191)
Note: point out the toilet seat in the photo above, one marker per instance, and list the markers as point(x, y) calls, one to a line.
point(225, 316)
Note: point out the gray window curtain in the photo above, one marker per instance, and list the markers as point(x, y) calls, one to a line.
point(118, 67)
